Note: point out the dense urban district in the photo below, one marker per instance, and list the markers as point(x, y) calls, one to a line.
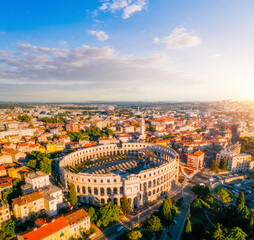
point(127, 171)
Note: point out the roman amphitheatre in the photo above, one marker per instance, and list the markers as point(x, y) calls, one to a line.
point(103, 173)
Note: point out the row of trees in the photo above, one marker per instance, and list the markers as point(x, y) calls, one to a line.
point(93, 131)
point(222, 165)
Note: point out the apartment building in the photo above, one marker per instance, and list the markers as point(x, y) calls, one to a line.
point(25, 206)
point(196, 159)
point(53, 198)
point(4, 212)
point(48, 201)
point(34, 181)
point(57, 229)
point(55, 147)
point(79, 221)
point(236, 161)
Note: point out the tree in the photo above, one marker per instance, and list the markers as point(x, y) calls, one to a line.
point(17, 183)
point(166, 211)
point(125, 205)
point(154, 224)
point(10, 194)
point(73, 195)
point(134, 235)
point(168, 199)
point(108, 213)
point(24, 118)
point(32, 164)
point(188, 230)
point(92, 214)
point(236, 233)
point(223, 164)
point(8, 228)
point(214, 165)
point(151, 128)
point(109, 132)
point(167, 136)
point(46, 165)
point(218, 233)
point(201, 191)
point(240, 202)
point(94, 131)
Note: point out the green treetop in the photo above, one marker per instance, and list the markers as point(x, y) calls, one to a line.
point(125, 206)
point(73, 195)
point(154, 224)
point(134, 235)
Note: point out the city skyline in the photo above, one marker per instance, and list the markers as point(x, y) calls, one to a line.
point(123, 50)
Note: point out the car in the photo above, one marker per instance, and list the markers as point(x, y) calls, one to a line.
point(175, 222)
point(121, 228)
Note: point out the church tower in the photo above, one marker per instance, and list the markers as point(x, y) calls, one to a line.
point(142, 136)
point(142, 127)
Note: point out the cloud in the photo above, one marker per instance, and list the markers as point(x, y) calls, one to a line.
point(179, 38)
point(34, 72)
point(128, 7)
point(101, 35)
point(62, 43)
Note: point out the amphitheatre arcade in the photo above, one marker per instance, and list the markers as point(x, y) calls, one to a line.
point(144, 172)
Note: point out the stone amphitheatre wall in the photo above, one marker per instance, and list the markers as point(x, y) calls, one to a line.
point(146, 186)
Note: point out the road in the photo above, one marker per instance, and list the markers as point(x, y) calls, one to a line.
point(175, 230)
point(110, 232)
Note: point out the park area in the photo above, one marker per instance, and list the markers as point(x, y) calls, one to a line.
point(214, 215)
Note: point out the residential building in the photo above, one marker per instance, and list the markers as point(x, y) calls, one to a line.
point(79, 222)
point(57, 229)
point(19, 172)
point(72, 127)
point(53, 198)
point(196, 159)
point(5, 158)
point(25, 206)
point(55, 147)
point(4, 212)
point(34, 181)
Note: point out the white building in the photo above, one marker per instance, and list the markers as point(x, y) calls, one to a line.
point(34, 181)
point(236, 161)
point(53, 198)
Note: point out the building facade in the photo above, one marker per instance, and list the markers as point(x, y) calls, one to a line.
point(236, 161)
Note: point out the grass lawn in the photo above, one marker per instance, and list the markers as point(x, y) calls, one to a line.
point(224, 195)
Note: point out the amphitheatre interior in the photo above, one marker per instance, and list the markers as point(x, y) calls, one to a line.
point(121, 165)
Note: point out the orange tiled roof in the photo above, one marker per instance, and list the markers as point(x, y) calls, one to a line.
point(21, 200)
point(75, 217)
point(47, 229)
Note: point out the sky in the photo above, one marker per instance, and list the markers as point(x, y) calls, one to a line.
point(126, 50)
